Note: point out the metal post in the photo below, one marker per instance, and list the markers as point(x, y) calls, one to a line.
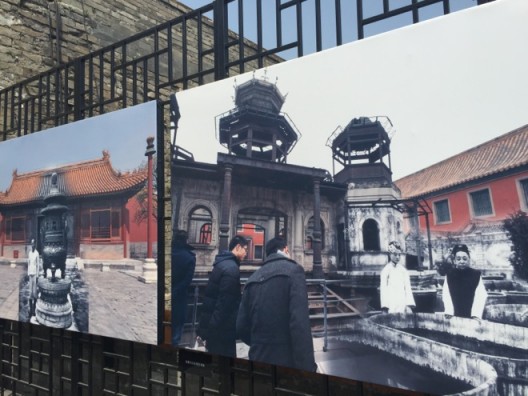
point(429, 247)
point(224, 374)
point(78, 90)
point(195, 309)
point(149, 153)
point(317, 270)
point(325, 319)
point(346, 235)
point(359, 4)
point(220, 34)
point(226, 208)
point(418, 238)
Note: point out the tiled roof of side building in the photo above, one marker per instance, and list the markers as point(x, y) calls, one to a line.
point(506, 152)
point(87, 178)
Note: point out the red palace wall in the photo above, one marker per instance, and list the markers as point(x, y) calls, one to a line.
point(505, 197)
point(138, 232)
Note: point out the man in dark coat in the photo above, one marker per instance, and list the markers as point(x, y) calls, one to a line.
point(463, 293)
point(217, 324)
point(183, 263)
point(273, 318)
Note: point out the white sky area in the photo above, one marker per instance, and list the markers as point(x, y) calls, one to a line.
point(447, 84)
point(123, 133)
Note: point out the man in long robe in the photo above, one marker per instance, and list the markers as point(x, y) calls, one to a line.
point(464, 293)
point(395, 284)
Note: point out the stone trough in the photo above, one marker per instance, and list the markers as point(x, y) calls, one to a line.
point(490, 356)
point(513, 314)
point(454, 347)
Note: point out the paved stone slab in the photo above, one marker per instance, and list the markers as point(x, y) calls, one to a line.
point(120, 306)
point(10, 279)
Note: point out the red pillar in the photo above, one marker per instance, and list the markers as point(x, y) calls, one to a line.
point(2, 234)
point(149, 153)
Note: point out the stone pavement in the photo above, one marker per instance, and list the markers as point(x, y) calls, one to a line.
point(10, 279)
point(120, 306)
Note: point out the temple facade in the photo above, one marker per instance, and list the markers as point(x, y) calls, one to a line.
point(252, 191)
point(345, 221)
point(330, 222)
point(102, 220)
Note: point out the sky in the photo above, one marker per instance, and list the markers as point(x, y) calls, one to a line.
point(123, 133)
point(348, 20)
point(447, 84)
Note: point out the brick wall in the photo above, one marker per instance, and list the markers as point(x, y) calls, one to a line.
point(28, 40)
point(36, 35)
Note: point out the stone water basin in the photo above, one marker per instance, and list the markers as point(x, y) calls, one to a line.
point(503, 346)
point(394, 333)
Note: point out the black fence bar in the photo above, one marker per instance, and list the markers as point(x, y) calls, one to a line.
point(220, 11)
point(298, 9)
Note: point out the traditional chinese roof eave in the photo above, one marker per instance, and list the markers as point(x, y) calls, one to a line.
point(87, 179)
point(38, 203)
point(498, 157)
point(485, 177)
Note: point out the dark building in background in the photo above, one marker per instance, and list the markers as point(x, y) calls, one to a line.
point(253, 188)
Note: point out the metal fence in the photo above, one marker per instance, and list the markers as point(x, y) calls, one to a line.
point(180, 54)
point(175, 55)
point(324, 305)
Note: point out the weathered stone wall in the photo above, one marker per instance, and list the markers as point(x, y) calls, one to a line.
point(490, 250)
point(28, 30)
point(36, 35)
point(15, 251)
point(389, 222)
point(102, 251)
point(296, 206)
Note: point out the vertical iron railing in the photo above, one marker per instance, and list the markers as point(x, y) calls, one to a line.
point(198, 286)
point(175, 55)
point(325, 316)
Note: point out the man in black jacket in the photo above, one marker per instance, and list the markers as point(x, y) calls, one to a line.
point(273, 318)
point(217, 324)
point(183, 263)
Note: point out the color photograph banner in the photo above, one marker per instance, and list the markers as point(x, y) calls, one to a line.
point(77, 251)
point(359, 211)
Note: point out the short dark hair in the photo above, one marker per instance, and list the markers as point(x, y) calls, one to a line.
point(237, 240)
point(180, 237)
point(277, 243)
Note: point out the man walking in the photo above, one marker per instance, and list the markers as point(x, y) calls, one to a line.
point(183, 263)
point(273, 318)
point(217, 324)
